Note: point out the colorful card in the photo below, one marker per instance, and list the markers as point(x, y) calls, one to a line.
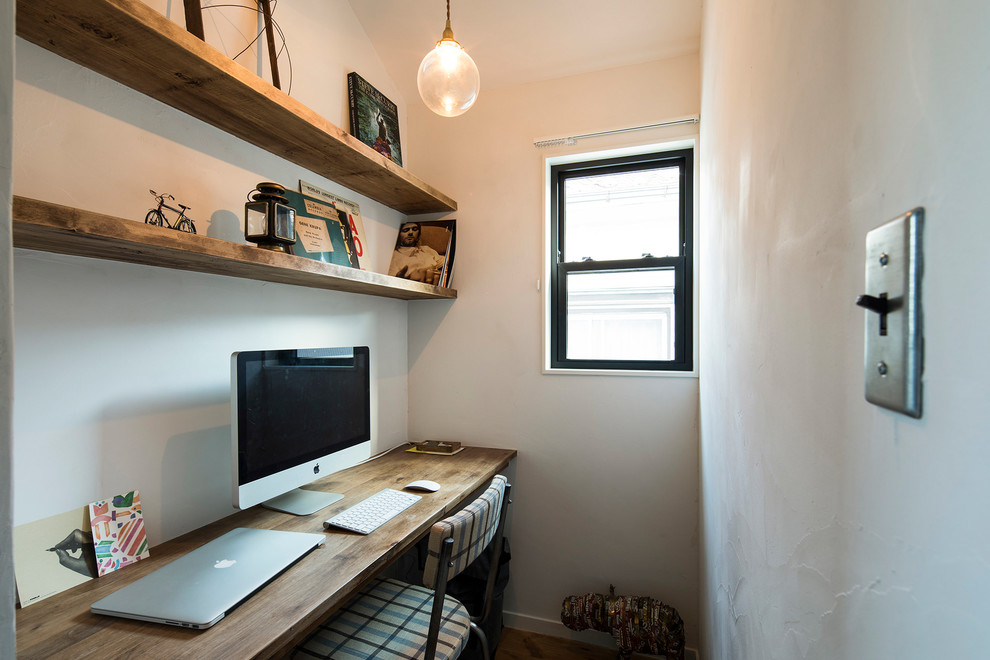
point(118, 532)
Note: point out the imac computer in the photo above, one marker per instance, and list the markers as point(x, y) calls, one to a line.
point(297, 415)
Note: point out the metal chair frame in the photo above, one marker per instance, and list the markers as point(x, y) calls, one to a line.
point(443, 576)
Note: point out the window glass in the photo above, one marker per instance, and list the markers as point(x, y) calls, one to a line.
point(620, 315)
point(623, 215)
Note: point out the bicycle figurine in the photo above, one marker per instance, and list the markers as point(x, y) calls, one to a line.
point(157, 217)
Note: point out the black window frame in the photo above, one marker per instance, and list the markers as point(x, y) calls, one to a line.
point(682, 264)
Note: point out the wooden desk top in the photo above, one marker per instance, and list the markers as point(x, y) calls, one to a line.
point(62, 626)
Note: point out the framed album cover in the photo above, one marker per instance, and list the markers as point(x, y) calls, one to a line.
point(374, 118)
point(424, 252)
point(321, 233)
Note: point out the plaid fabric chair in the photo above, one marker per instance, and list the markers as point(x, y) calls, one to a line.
point(394, 620)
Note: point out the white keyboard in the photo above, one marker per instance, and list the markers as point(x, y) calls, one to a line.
point(368, 515)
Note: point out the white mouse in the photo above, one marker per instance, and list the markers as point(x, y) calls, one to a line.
point(424, 484)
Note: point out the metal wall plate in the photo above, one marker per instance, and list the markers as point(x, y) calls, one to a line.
point(894, 342)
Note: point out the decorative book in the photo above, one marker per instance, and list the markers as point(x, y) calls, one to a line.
point(438, 447)
point(374, 118)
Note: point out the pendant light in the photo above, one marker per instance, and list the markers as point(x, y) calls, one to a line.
point(448, 78)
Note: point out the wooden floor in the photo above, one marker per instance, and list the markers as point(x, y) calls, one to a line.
point(521, 645)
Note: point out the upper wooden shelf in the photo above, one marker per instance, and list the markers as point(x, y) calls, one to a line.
point(54, 228)
point(133, 44)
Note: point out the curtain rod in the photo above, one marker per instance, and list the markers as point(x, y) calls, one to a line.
point(552, 142)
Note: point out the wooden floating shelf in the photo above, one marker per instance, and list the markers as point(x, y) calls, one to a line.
point(61, 229)
point(135, 45)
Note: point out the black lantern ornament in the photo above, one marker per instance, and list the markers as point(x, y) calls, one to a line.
point(269, 221)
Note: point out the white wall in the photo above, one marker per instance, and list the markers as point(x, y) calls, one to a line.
point(6, 330)
point(832, 528)
point(606, 479)
point(122, 372)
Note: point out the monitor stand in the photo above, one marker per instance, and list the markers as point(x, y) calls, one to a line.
point(300, 502)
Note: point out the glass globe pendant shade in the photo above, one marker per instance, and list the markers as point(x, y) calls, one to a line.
point(448, 78)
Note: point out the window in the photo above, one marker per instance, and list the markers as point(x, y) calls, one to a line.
point(621, 263)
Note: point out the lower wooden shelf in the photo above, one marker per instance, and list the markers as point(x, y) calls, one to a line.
point(61, 229)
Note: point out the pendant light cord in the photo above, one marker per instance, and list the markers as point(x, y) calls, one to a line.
point(448, 34)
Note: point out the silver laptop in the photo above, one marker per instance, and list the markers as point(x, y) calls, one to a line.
point(199, 588)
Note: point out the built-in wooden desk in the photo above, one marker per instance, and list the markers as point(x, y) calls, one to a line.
point(63, 627)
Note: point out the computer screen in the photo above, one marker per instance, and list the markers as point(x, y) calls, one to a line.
point(297, 415)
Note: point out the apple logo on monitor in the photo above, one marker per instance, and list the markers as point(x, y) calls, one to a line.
point(225, 563)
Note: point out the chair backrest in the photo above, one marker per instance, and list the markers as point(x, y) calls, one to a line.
point(471, 529)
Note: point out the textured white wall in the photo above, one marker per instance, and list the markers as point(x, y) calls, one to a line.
point(6, 329)
point(606, 481)
point(832, 528)
point(122, 372)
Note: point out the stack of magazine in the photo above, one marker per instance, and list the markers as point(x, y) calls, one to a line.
point(329, 228)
